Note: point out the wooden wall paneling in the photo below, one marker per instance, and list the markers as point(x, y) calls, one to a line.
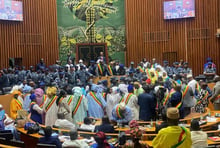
point(146, 16)
point(33, 38)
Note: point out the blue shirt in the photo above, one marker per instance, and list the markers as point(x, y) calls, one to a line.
point(51, 140)
point(127, 115)
point(95, 145)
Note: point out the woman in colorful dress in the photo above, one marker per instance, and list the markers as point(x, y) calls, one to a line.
point(63, 106)
point(35, 110)
point(50, 107)
point(15, 104)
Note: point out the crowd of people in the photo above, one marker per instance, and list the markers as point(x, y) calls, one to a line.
point(66, 95)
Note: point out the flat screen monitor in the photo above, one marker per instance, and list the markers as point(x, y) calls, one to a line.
point(179, 9)
point(11, 10)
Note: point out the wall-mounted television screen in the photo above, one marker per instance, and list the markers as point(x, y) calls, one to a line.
point(11, 10)
point(179, 9)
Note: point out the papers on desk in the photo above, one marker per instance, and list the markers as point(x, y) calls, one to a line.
point(64, 138)
point(211, 119)
point(214, 138)
point(202, 122)
point(184, 125)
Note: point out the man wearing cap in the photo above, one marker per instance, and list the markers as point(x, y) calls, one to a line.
point(173, 135)
point(209, 72)
point(80, 64)
point(131, 68)
point(82, 75)
point(92, 67)
point(216, 94)
point(131, 101)
point(167, 68)
point(121, 113)
point(186, 70)
point(15, 104)
point(207, 61)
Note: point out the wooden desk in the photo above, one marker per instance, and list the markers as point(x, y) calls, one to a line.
point(210, 142)
point(7, 146)
point(30, 140)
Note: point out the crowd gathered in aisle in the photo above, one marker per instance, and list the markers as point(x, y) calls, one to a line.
point(67, 95)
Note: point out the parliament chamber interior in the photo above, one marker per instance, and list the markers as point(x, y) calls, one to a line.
point(109, 73)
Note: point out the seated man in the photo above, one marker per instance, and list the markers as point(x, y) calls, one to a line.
point(105, 127)
point(74, 142)
point(121, 114)
point(48, 139)
point(61, 122)
point(199, 138)
point(173, 135)
point(87, 125)
point(6, 123)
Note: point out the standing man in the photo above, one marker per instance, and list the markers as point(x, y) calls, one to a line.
point(101, 69)
point(147, 105)
point(102, 57)
point(70, 58)
point(41, 65)
point(131, 101)
point(216, 94)
point(121, 114)
point(167, 68)
point(96, 102)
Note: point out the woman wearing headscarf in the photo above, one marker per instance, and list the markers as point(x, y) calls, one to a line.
point(15, 104)
point(35, 110)
point(63, 106)
point(50, 106)
point(40, 97)
point(26, 97)
point(101, 141)
point(79, 105)
point(96, 102)
point(112, 99)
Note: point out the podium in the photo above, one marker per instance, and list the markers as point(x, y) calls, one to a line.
point(90, 51)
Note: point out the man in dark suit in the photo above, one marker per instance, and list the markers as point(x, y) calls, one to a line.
point(48, 139)
point(105, 127)
point(147, 105)
point(102, 57)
